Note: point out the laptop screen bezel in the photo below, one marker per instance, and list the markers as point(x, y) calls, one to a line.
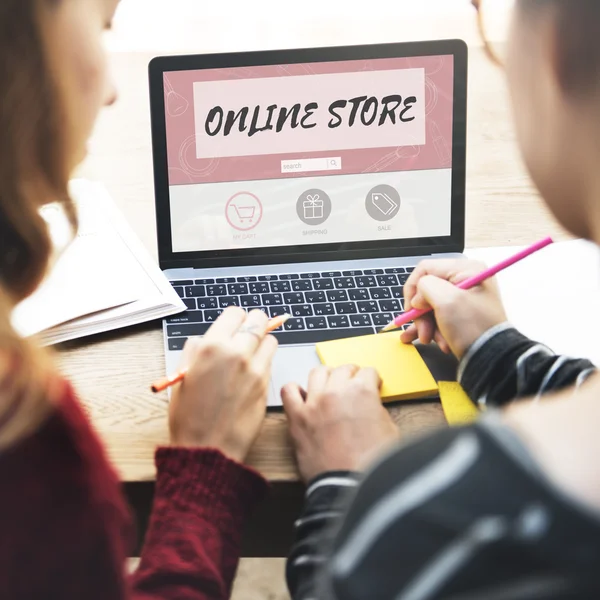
point(455, 242)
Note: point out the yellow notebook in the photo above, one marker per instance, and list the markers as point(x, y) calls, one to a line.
point(404, 373)
point(458, 407)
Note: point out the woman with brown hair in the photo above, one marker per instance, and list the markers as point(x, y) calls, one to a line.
point(65, 531)
point(509, 508)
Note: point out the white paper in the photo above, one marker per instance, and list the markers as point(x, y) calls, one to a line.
point(553, 296)
point(102, 280)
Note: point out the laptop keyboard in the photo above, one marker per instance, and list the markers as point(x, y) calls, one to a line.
point(324, 305)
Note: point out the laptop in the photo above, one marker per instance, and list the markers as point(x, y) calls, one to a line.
point(308, 182)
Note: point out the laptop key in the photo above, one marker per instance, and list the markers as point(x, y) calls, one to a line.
point(272, 300)
point(366, 281)
point(250, 301)
point(359, 294)
point(190, 316)
point(190, 303)
point(323, 284)
point(226, 280)
point(373, 272)
point(343, 283)
point(204, 281)
point(294, 298)
point(338, 322)
point(310, 276)
point(294, 325)
point(387, 280)
point(280, 286)
point(402, 279)
point(331, 274)
point(245, 279)
point(324, 309)
point(410, 269)
point(380, 293)
point(352, 273)
point(397, 292)
point(360, 321)
point(277, 311)
point(392, 305)
point(215, 290)
point(204, 303)
point(337, 296)
point(346, 308)
point(177, 343)
point(289, 277)
point(182, 283)
point(302, 285)
point(225, 301)
point(180, 292)
point(314, 297)
point(237, 289)
point(382, 319)
point(317, 323)
point(302, 310)
point(187, 330)
point(396, 270)
point(194, 291)
point(268, 278)
point(367, 307)
point(212, 315)
point(259, 288)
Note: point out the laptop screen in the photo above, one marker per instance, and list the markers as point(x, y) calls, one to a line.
point(315, 153)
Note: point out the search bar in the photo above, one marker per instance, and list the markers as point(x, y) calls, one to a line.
point(304, 165)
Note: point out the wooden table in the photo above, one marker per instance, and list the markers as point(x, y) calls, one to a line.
point(112, 372)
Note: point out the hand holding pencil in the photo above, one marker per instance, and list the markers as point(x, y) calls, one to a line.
point(460, 314)
point(222, 401)
point(162, 384)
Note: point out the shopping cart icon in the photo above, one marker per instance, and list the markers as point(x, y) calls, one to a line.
point(245, 213)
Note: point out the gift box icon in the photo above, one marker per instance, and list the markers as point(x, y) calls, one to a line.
point(313, 207)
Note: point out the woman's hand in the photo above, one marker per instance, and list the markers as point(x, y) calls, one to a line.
point(222, 400)
point(460, 316)
point(339, 424)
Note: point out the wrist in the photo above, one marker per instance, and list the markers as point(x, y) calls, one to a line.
point(186, 440)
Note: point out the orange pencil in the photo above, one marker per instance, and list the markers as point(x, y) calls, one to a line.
point(167, 382)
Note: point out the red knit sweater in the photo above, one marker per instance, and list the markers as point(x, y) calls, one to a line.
point(65, 530)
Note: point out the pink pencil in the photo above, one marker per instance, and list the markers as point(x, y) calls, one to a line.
point(467, 284)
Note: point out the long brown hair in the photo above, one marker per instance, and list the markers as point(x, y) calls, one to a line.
point(33, 171)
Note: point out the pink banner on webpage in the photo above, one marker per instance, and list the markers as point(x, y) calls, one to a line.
point(333, 118)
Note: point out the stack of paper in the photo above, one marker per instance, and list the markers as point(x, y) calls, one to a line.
point(105, 279)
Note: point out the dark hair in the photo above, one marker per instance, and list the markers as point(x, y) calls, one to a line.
point(578, 34)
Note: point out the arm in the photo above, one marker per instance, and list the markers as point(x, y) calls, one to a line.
point(498, 364)
point(192, 546)
point(62, 511)
point(325, 503)
point(504, 365)
point(203, 493)
point(454, 515)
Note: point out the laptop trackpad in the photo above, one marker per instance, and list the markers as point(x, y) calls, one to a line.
point(292, 364)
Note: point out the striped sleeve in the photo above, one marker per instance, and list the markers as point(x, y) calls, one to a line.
point(326, 497)
point(504, 365)
point(454, 516)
